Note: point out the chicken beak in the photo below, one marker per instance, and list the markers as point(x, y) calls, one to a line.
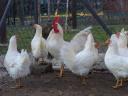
point(107, 42)
point(97, 45)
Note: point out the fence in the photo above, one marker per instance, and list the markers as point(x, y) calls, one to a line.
point(22, 13)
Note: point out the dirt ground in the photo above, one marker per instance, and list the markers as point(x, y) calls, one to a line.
point(98, 84)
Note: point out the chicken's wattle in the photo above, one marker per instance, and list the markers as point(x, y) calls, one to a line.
point(55, 28)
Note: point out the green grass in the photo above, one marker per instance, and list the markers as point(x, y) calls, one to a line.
point(26, 34)
point(100, 35)
point(97, 31)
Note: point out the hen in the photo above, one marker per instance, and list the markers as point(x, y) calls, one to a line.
point(78, 42)
point(17, 64)
point(80, 63)
point(117, 65)
point(38, 44)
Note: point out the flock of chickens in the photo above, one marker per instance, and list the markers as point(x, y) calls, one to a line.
point(78, 55)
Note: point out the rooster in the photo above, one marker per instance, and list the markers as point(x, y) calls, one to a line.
point(55, 40)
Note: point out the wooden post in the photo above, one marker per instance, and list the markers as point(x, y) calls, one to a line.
point(3, 37)
point(49, 11)
point(20, 10)
point(37, 11)
point(73, 11)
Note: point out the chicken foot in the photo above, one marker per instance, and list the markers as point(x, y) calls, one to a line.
point(118, 84)
point(61, 71)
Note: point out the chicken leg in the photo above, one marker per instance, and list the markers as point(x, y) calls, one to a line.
point(61, 70)
point(118, 84)
point(18, 84)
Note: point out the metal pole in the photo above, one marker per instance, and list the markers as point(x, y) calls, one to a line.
point(3, 14)
point(93, 12)
point(20, 10)
point(37, 11)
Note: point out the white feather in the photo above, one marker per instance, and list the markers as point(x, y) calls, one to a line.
point(79, 39)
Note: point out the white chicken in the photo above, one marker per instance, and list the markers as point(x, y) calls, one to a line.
point(17, 64)
point(78, 41)
point(80, 63)
point(117, 65)
point(38, 44)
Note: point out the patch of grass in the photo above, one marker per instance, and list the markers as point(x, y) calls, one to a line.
point(69, 35)
point(100, 35)
point(97, 31)
point(26, 34)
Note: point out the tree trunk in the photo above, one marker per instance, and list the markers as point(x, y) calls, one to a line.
point(20, 10)
point(36, 11)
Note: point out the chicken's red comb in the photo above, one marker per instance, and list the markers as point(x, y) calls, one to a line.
point(54, 24)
